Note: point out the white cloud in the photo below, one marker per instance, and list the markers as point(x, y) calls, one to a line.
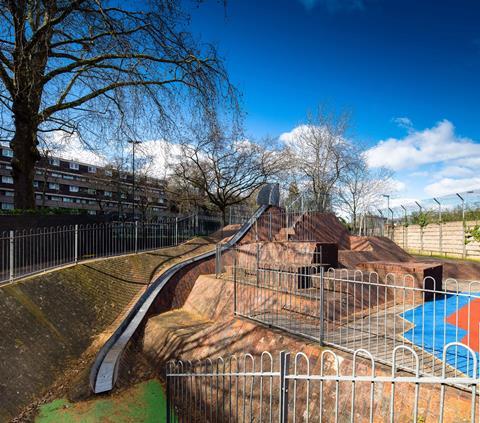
point(447, 186)
point(432, 145)
point(159, 154)
point(403, 122)
point(396, 185)
point(456, 172)
point(292, 137)
point(70, 147)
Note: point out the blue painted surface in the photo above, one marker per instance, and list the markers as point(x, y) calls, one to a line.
point(431, 332)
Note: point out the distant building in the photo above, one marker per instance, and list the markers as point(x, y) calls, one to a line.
point(74, 185)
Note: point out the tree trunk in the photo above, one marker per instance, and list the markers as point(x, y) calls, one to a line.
point(25, 156)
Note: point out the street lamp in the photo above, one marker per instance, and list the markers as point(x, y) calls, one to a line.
point(134, 143)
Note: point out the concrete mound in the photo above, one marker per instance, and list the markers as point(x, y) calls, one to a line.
point(367, 249)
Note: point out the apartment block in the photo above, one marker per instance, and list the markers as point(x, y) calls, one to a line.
point(74, 185)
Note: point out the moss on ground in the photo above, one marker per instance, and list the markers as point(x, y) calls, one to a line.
point(143, 403)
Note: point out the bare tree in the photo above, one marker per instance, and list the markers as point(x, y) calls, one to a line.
point(360, 188)
point(78, 65)
point(227, 171)
point(320, 153)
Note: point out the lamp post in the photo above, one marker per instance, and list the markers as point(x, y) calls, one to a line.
point(134, 143)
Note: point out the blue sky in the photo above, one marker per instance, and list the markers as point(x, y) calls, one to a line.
point(383, 59)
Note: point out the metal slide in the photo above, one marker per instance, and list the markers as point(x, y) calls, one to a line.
point(104, 371)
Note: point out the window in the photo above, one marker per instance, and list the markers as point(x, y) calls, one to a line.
point(73, 188)
point(123, 195)
point(92, 169)
point(7, 152)
point(7, 206)
point(35, 184)
point(92, 191)
point(54, 162)
point(38, 196)
point(74, 166)
point(92, 212)
point(55, 198)
point(108, 193)
point(9, 194)
point(54, 186)
point(69, 177)
point(67, 200)
point(108, 172)
point(7, 179)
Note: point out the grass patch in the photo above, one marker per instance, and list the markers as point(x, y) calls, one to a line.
point(142, 403)
point(444, 256)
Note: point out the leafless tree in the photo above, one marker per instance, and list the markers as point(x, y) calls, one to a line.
point(320, 152)
point(79, 65)
point(360, 188)
point(226, 169)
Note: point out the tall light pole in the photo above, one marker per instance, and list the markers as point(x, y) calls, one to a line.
point(134, 143)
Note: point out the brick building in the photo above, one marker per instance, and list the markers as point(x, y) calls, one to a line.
point(74, 185)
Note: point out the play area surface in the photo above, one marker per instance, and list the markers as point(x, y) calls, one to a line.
point(142, 403)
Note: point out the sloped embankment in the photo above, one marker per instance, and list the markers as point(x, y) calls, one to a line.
point(50, 320)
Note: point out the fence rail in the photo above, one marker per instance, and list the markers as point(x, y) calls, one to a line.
point(26, 252)
point(351, 309)
point(263, 389)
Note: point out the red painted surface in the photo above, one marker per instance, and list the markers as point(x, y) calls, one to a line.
point(473, 329)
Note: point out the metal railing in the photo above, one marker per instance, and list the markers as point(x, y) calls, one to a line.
point(262, 389)
point(26, 252)
point(351, 309)
point(283, 225)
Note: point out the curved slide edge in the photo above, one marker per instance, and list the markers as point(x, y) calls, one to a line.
point(104, 371)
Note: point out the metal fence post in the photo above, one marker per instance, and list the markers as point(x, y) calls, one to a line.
point(136, 236)
point(235, 285)
point(176, 231)
point(270, 226)
point(257, 259)
point(322, 320)
point(286, 220)
point(76, 244)
point(218, 268)
point(12, 254)
point(284, 366)
point(168, 400)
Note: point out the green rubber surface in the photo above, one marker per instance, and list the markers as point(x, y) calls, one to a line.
point(144, 402)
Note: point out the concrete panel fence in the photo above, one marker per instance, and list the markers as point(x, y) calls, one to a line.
point(443, 239)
